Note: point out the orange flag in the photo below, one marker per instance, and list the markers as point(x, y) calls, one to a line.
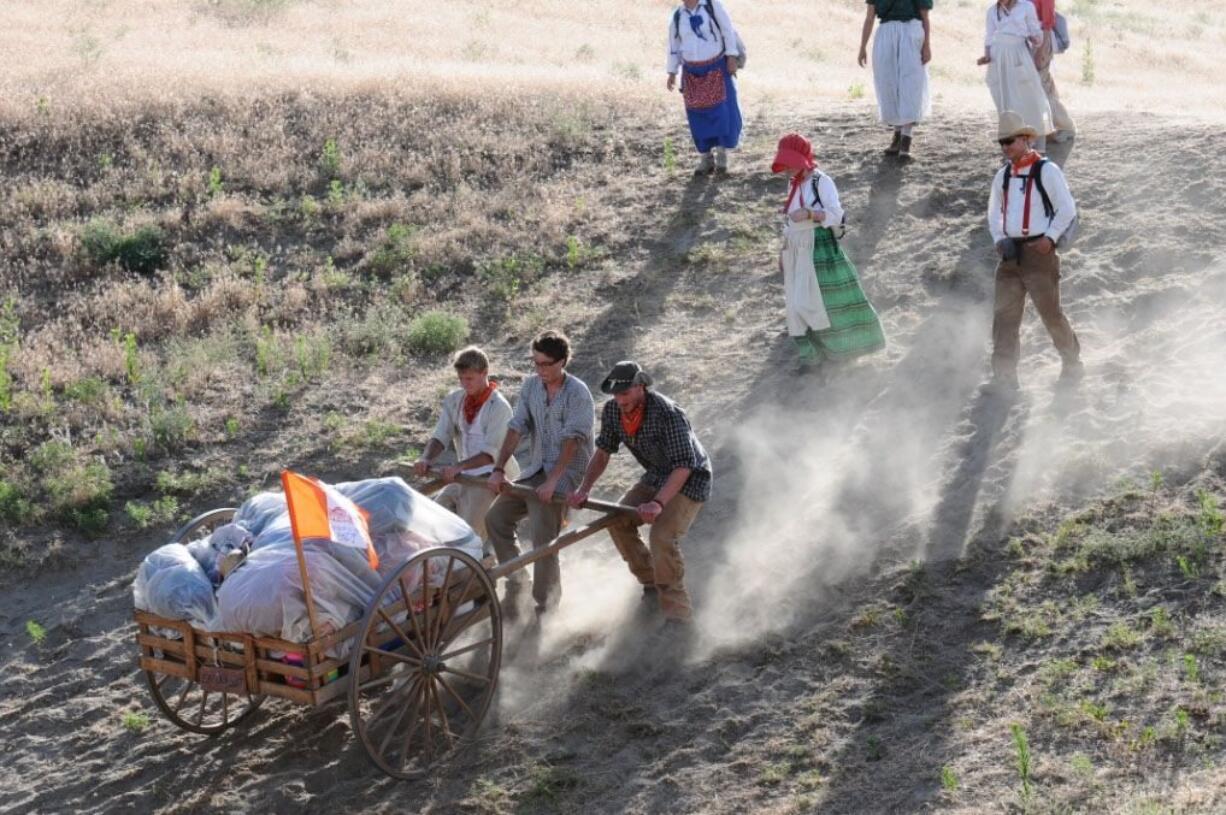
point(318, 511)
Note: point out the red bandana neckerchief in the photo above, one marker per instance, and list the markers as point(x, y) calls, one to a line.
point(632, 420)
point(1026, 161)
point(472, 404)
point(797, 181)
point(1030, 157)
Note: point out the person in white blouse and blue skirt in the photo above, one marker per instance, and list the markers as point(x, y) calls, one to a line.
point(704, 47)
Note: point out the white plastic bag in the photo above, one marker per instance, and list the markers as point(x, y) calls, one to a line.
point(264, 595)
point(170, 583)
point(397, 508)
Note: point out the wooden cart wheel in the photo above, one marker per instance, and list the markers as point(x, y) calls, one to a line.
point(422, 679)
point(193, 708)
point(203, 525)
point(186, 703)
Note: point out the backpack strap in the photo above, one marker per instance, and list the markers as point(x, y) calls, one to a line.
point(1037, 171)
point(715, 26)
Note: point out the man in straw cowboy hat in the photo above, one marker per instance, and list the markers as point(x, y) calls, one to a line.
point(1029, 210)
point(673, 488)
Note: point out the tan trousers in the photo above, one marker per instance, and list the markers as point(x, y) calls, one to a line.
point(470, 503)
point(1060, 118)
point(1039, 276)
point(662, 566)
point(544, 522)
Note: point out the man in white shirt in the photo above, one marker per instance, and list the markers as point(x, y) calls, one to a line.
point(473, 422)
point(1026, 231)
point(705, 47)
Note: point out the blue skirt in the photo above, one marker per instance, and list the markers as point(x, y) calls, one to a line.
point(715, 117)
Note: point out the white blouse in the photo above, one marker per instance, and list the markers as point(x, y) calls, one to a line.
point(829, 203)
point(701, 40)
point(1020, 21)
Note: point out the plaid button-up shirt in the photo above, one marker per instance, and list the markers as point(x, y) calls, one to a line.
point(571, 415)
point(664, 443)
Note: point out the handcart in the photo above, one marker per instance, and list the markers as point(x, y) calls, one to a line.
point(418, 670)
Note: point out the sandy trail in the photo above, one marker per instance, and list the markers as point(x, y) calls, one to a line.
point(896, 457)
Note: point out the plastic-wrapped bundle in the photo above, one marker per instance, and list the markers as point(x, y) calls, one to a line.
point(264, 595)
point(170, 583)
point(395, 509)
point(259, 510)
point(209, 552)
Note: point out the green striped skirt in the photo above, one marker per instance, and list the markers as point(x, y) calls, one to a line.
point(854, 328)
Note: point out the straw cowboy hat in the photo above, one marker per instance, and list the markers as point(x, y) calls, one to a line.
point(1011, 124)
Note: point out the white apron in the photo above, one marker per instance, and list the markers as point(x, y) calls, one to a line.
point(1015, 83)
point(805, 309)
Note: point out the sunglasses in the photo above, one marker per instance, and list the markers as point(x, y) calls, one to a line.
point(545, 363)
point(1008, 141)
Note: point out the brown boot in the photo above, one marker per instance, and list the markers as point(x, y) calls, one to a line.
point(904, 147)
point(892, 150)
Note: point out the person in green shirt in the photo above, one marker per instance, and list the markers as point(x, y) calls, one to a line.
point(901, 53)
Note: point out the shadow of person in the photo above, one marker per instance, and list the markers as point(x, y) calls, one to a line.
point(960, 493)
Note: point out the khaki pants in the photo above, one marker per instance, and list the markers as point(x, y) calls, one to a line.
point(469, 502)
point(544, 522)
point(662, 566)
point(1039, 276)
point(1060, 118)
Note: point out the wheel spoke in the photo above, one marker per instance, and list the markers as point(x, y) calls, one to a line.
point(448, 634)
point(388, 701)
point(459, 701)
point(444, 723)
point(485, 680)
point(391, 731)
point(408, 604)
point(429, 716)
point(439, 625)
point(467, 648)
point(425, 602)
point(407, 660)
point(383, 680)
point(204, 697)
point(225, 708)
point(405, 638)
point(408, 736)
point(187, 685)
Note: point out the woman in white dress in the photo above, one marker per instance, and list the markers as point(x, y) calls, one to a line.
point(1013, 30)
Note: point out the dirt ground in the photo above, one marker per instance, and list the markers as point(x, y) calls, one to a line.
point(878, 537)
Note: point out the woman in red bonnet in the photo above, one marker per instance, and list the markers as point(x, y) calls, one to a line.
point(828, 316)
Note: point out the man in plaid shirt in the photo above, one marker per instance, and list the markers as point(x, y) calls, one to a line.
point(674, 486)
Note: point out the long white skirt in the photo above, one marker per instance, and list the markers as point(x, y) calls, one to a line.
point(805, 308)
point(1015, 83)
point(899, 73)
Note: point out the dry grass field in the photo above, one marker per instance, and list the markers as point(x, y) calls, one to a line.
point(237, 235)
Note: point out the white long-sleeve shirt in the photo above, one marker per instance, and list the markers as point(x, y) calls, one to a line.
point(701, 40)
point(1020, 21)
point(829, 194)
point(1009, 224)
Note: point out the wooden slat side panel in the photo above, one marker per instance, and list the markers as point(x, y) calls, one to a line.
point(163, 667)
